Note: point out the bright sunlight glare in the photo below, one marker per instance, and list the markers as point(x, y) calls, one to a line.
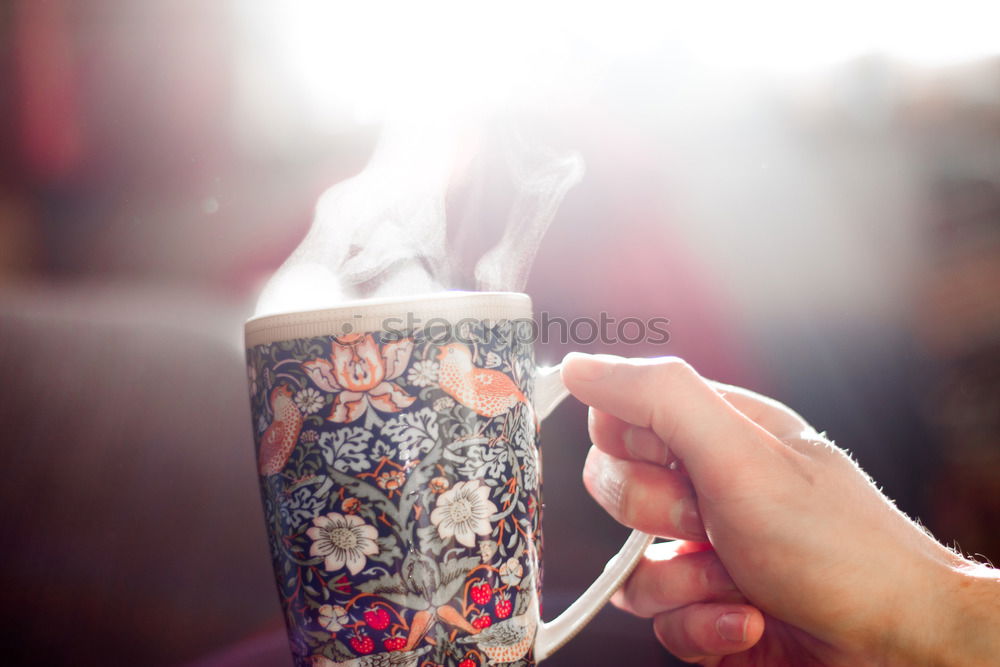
point(384, 57)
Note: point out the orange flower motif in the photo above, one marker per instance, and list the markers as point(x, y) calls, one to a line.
point(361, 374)
point(351, 505)
point(439, 484)
point(392, 480)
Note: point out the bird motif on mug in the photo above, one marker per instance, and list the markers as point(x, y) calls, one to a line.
point(506, 641)
point(489, 393)
point(279, 438)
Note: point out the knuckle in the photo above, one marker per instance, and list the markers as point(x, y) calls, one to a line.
point(669, 376)
point(816, 459)
point(708, 569)
point(672, 370)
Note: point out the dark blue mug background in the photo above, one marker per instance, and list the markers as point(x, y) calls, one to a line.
point(362, 559)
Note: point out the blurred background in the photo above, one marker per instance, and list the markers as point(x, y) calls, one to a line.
point(812, 199)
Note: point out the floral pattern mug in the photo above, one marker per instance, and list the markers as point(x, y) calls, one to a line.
point(400, 475)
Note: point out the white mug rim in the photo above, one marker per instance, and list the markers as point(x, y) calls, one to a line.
point(369, 315)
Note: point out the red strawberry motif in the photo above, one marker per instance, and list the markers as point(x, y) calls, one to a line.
point(394, 643)
point(503, 606)
point(341, 585)
point(362, 644)
point(481, 593)
point(468, 662)
point(483, 622)
point(377, 618)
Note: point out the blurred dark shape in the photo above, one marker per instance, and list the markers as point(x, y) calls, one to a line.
point(960, 327)
point(130, 500)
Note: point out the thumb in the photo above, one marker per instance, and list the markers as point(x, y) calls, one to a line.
point(714, 440)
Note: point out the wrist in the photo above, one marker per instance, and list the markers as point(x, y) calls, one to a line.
point(969, 617)
point(949, 617)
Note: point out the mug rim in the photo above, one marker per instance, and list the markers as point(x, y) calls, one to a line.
point(368, 315)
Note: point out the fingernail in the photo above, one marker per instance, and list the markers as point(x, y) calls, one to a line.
point(686, 517)
point(643, 445)
point(733, 626)
point(591, 367)
point(610, 486)
point(608, 483)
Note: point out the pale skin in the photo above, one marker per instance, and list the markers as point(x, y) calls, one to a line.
point(785, 552)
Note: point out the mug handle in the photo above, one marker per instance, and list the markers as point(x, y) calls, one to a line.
point(551, 635)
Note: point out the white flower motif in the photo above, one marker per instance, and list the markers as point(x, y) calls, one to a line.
point(333, 618)
point(309, 401)
point(511, 572)
point(493, 359)
point(342, 540)
point(444, 404)
point(463, 512)
point(422, 373)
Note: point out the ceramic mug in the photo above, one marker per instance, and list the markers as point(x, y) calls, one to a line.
point(397, 450)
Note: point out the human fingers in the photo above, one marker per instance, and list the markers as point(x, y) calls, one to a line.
point(665, 579)
point(644, 496)
point(715, 441)
point(700, 631)
point(626, 441)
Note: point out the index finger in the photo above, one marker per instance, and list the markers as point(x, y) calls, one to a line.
point(713, 439)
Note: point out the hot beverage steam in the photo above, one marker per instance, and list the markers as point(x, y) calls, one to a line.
point(383, 233)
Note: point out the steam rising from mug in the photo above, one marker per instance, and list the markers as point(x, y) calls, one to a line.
point(383, 232)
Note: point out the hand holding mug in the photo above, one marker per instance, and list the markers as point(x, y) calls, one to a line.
point(787, 553)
